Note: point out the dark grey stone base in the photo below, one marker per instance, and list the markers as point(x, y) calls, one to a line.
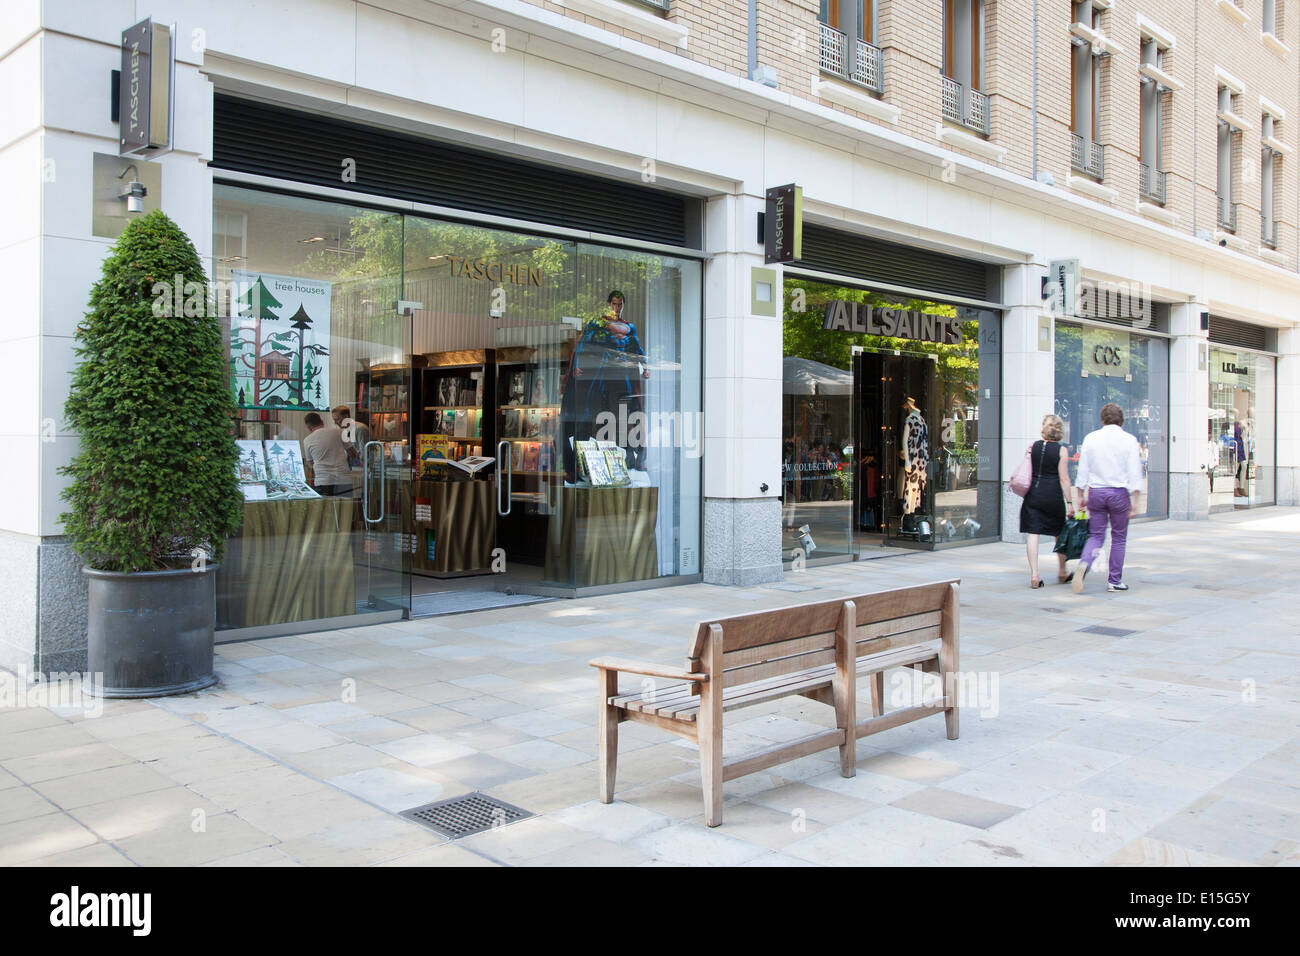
point(43, 616)
point(742, 541)
point(1189, 496)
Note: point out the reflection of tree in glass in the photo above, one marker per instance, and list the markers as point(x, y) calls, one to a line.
point(958, 365)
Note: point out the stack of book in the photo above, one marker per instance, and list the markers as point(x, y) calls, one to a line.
point(602, 464)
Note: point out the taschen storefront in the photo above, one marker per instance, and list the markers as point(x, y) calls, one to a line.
point(512, 351)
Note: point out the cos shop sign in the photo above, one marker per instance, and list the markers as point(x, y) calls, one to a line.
point(1106, 353)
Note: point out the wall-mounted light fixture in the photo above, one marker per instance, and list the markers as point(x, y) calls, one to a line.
point(134, 191)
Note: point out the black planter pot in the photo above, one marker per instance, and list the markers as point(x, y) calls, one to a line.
point(150, 633)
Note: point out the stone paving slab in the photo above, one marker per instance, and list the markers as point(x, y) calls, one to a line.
point(1173, 745)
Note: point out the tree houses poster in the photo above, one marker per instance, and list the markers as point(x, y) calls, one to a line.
point(279, 341)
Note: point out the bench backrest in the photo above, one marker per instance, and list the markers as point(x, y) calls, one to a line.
point(765, 644)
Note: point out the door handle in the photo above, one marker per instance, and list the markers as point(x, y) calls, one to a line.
point(365, 482)
point(504, 457)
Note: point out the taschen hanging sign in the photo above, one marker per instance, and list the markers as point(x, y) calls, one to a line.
point(783, 224)
point(864, 319)
point(145, 93)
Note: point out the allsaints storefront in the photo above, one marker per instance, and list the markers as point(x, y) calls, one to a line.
point(519, 411)
point(892, 401)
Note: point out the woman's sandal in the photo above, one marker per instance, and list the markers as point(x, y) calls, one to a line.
point(1063, 578)
point(1033, 586)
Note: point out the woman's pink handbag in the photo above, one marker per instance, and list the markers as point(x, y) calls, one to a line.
point(1023, 476)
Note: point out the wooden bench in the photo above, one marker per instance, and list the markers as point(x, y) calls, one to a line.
point(818, 651)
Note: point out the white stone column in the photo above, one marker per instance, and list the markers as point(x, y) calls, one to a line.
point(742, 402)
point(1189, 410)
point(1288, 417)
point(1028, 377)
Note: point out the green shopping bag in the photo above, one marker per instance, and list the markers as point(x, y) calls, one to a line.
point(1072, 538)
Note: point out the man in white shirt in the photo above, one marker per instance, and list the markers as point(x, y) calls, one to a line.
point(323, 450)
point(355, 434)
point(1110, 468)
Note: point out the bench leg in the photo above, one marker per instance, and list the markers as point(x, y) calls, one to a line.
point(878, 694)
point(709, 729)
point(711, 776)
point(608, 723)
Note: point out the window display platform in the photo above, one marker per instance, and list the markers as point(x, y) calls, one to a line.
point(603, 536)
point(292, 561)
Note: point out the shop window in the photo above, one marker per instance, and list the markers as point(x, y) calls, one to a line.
point(890, 422)
point(1097, 364)
point(963, 100)
point(1239, 457)
point(518, 412)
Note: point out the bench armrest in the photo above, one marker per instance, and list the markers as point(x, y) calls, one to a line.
point(648, 669)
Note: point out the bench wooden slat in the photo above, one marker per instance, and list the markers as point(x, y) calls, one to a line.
point(797, 683)
point(681, 704)
point(765, 627)
point(767, 652)
point(756, 663)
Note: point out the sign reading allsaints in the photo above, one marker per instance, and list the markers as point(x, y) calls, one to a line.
point(897, 323)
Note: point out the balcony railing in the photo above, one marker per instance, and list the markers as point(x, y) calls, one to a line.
point(867, 68)
point(1227, 214)
point(1268, 233)
point(1087, 157)
point(962, 105)
point(1151, 183)
point(865, 59)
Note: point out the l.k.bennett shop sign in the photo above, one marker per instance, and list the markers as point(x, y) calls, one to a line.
point(897, 323)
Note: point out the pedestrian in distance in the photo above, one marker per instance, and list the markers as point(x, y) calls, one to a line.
point(1043, 510)
point(1110, 472)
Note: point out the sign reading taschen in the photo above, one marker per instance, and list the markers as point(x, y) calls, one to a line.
point(896, 323)
point(145, 92)
point(783, 224)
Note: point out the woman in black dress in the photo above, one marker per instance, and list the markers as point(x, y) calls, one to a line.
point(1044, 509)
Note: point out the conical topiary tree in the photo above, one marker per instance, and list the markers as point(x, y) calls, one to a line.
point(155, 478)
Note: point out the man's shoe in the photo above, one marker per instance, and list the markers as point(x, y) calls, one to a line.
point(1076, 580)
point(1117, 587)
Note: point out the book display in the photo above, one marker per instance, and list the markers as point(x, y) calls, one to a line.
point(383, 404)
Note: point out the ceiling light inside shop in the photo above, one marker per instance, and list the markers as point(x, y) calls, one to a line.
point(313, 239)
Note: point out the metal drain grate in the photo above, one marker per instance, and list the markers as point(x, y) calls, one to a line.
point(1106, 631)
point(461, 816)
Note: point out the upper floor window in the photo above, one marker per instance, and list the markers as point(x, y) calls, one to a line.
point(1086, 154)
point(1270, 171)
point(1152, 170)
point(963, 99)
point(847, 47)
point(1227, 160)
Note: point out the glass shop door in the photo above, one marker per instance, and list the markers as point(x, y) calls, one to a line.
point(895, 407)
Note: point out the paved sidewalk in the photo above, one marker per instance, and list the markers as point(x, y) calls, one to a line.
point(1154, 727)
